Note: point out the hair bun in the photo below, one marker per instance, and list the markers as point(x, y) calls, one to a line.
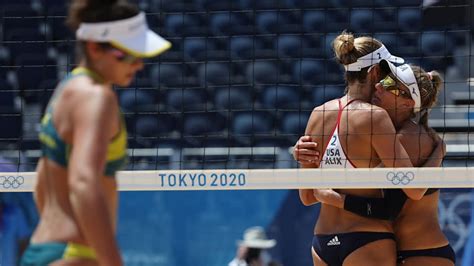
point(345, 43)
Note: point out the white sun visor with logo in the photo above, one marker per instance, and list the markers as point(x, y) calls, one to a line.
point(372, 59)
point(131, 35)
point(405, 75)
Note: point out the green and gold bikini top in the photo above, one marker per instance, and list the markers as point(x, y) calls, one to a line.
point(57, 150)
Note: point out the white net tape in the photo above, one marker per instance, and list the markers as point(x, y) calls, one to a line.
point(257, 179)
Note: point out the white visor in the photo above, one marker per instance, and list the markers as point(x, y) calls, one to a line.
point(258, 243)
point(131, 35)
point(405, 75)
point(372, 59)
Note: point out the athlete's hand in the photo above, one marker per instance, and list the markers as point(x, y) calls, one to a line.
point(330, 197)
point(305, 151)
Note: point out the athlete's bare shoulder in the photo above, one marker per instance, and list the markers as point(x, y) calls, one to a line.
point(331, 105)
point(364, 115)
point(84, 92)
point(320, 114)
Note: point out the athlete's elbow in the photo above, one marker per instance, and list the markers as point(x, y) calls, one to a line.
point(306, 199)
point(415, 193)
point(307, 202)
point(82, 182)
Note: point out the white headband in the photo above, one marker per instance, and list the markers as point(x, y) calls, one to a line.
point(372, 59)
point(407, 77)
point(131, 34)
point(405, 74)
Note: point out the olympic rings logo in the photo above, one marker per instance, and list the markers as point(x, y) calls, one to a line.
point(400, 177)
point(11, 181)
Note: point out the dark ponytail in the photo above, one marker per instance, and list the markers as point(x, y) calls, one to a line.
point(99, 11)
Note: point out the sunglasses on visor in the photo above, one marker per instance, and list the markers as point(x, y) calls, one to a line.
point(390, 85)
point(123, 56)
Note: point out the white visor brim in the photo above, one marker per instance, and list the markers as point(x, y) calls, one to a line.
point(373, 58)
point(407, 77)
point(131, 34)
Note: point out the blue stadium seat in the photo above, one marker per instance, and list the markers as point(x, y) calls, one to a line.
point(409, 44)
point(186, 99)
point(262, 73)
point(339, 3)
point(281, 97)
point(27, 49)
point(314, 45)
point(244, 47)
point(154, 125)
point(30, 76)
point(34, 59)
point(171, 6)
point(24, 29)
point(270, 21)
point(212, 73)
point(202, 124)
point(4, 72)
point(146, 130)
point(224, 24)
point(390, 40)
point(58, 29)
point(235, 97)
point(436, 44)
point(306, 3)
point(168, 75)
point(261, 4)
point(136, 100)
point(293, 123)
point(197, 49)
point(211, 5)
point(410, 19)
point(290, 46)
point(308, 72)
point(328, 39)
point(220, 24)
point(14, 128)
point(179, 25)
point(7, 98)
point(322, 94)
point(250, 123)
point(18, 10)
point(404, 3)
point(334, 73)
point(362, 20)
point(23, 34)
point(314, 21)
point(366, 3)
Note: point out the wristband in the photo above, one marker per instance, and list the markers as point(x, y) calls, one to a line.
point(375, 208)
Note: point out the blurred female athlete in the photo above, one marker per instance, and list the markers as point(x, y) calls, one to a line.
point(84, 139)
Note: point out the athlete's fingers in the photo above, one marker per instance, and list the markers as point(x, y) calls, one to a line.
point(303, 158)
point(307, 145)
point(303, 139)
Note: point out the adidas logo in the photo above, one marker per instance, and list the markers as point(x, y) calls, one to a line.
point(334, 242)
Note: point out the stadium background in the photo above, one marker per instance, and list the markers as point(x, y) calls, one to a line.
point(242, 74)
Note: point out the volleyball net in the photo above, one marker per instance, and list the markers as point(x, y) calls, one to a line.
point(258, 179)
